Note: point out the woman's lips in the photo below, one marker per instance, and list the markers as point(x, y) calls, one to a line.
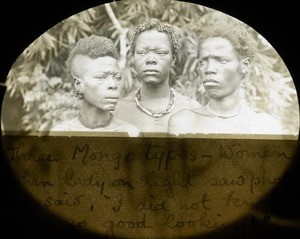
point(112, 99)
point(150, 72)
point(210, 82)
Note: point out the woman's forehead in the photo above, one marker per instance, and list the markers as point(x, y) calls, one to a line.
point(82, 64)
point(216, 45)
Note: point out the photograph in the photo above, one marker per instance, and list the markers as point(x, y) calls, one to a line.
point(147, 119)
point(184, 71)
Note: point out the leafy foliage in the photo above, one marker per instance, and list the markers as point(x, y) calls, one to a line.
point(39, 74)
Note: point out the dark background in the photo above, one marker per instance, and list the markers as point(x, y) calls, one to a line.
point(22, 22)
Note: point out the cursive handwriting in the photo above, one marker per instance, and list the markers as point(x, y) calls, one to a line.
point(202, 221)
point(65, 200)
point(223, 181)
point(163, 157)
point(200, 204)
point(29, 179)
point(112, 225)
point(237, 151)
point(168, 182)
point(86, 155)
point(73, 180)
point(19, 152)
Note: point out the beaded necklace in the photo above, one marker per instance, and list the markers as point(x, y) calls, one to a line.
point(223, 116)
point(154, 113)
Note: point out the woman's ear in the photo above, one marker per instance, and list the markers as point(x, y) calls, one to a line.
point(245, 65)
point(78, 91)
point(77, 82)
point(173, 60)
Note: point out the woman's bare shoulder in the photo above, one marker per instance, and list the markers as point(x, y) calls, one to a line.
point(187, 102)
point(132, 130)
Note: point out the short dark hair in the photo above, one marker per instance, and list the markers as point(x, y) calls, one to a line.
point(93, 46)
point(236, 33)
point(154, 23)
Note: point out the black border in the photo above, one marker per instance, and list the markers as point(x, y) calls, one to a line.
point(23, 22)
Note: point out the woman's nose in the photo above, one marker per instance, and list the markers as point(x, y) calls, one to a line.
point(112, 85)
point(210, 67)
point(151, 59)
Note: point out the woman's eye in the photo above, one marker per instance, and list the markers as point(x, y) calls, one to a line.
point(222, 61)
point(161, 53)
point(101, 77)
point(202, 62)
point(118, 77)
point(141, 52)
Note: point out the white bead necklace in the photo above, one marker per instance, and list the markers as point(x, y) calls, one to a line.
point(153, 113)
point(223, 116)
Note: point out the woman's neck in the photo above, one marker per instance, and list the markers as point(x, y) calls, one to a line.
point(155, 92)
point(93, 115)
point(226, 107)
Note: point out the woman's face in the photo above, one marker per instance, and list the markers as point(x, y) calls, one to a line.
point(153, 57)
point(220, 67)
point(100, 81)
